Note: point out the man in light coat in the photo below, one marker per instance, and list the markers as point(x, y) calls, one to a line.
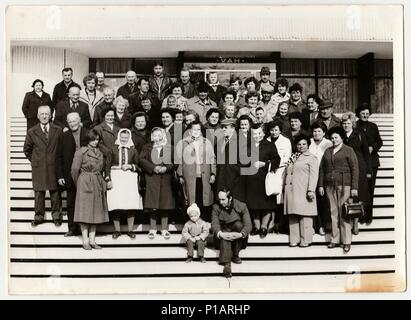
point(40, 148)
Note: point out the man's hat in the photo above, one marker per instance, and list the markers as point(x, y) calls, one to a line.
point(265, 70)
point(326, 104)
point(228, 122)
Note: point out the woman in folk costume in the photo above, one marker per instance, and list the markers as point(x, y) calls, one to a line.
point(156, 160)
point(124, 195)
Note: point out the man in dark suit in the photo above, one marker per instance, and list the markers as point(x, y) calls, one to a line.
point(130, 87)
point(228, 161)
point(159, 82)
point(61, 89)
point(189, 89)
point(135, 99)
point(231, 225)
point(216, 89)
point(72, 104)
point(40, 148)
point(72, 140)
point(103, 105)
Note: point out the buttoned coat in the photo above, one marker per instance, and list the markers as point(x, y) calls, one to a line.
point(63, 109)
point(31, 103)
point(185, 155)
point(159, 188)
point(217, 94)
point(256, 197)
point(162, 90)
point(140, 138)
point(190, 92)
point(107, 136)
point(65, 155)
point(97, 117)
point(61, 90)
point(134, 101)
point(374, 140)
point(301, 177)
point(125, 90)
point(42, 153)
point(339, 169)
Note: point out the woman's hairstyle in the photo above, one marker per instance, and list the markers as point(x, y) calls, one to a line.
point(107, 110)
point(338, 130)
point(192, 112)
point(89, 77)
point(362, 107)
point(203, 87)
point(158, 63)
point(230, 92)
point(211, 111)
point(300, 137)
point(273, 124)
point(234, 79)
point(282, 81)
point(256, 126)
point(296, 115)
point(227, 192)
point(92, 135)
point(67, 69)
point(170, 111)
point(349, 116)
point(259, 108)
point(161, 131)
point(252, 94)
point(141, 79)
point(316, 98)
point(175, 85)
point(243, 117)
point(120, 99)
point(319, 125)
point(140, 114)
point(252, 79)
point(37, 80)
point(195, 122)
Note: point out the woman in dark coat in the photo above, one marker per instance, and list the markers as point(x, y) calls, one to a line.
point(108, 130)
point(89, 165)
point(263, 154)
point(34, 99)
point(122, 117)
point(374, 145)
point(358, 141)
point(140, 134)
point(156, 160)
point(282, 115)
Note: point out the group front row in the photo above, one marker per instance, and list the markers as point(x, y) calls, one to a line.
point(118, 178)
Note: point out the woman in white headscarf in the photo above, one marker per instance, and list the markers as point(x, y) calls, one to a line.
point(124, 195)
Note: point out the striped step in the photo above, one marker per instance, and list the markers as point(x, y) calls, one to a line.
point(182, 268)
point(142, 239)
point(177, 253)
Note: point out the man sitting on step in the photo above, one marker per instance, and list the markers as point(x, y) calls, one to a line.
point(231, 225)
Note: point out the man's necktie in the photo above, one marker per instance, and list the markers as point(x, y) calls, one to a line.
point(46, 132)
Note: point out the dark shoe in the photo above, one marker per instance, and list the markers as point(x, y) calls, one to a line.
point(277, 228)
point(131, 234)
point(58, 222)
point(202, 260)
point(227, 270)
point(69, 234)
point(236, 260)
point(116, 234)
point(263, 233)
point(35, 223)
point(368, 222)
point(95, 246)
point(346, 248)
point(292, 245)
point(255, 231)
point(331, 245)
point(189, 259)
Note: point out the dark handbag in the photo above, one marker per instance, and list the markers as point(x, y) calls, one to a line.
point(180, 193)
point(353, 209)
point(142, 183)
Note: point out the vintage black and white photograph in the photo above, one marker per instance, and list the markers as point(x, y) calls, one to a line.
point(205, 149)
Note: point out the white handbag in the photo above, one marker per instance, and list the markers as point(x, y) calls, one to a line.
point(273, 182)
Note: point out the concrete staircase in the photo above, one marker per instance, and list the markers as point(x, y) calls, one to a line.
point(43, 261)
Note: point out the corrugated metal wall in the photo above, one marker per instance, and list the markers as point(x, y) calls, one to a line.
point(29, 63)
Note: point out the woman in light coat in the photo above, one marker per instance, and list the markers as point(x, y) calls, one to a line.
point(197, 168)
point(87, 170)
point(299, 193)
point(284, 149)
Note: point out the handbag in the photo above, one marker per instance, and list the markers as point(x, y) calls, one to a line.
point(180, 192)
point(273, 182)
point(353, 209)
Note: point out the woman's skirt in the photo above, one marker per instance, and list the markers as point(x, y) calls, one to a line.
point(124, 195)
